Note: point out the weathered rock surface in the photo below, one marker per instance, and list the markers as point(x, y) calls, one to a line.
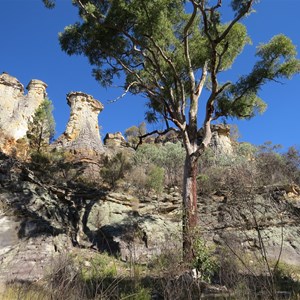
point(40, 220)
point(17, 109)
point(82, 135)
point(221, 143)
point(115, 140)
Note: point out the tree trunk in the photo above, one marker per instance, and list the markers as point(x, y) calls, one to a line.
point(190, 212)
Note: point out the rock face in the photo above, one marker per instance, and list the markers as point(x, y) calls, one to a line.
point(42, 220)
point(114, 140)
point(82, 133)
point(17, 109)
point(220, 142)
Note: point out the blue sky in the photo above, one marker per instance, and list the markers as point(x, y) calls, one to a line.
point(30, 50)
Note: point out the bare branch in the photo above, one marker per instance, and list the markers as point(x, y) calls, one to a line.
point(235, 20)
point(202, 80)
point(187, 50)
point(124, 94)
point(152, 133)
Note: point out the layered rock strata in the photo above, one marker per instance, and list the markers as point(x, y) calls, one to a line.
point(17, 109)
point(82, 136)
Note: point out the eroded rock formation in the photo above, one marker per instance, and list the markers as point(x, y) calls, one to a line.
point(115, 140)
point(221, 144)
point(82, 134)
point(16, 108)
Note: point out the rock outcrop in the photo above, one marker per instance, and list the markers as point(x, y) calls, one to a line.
point(115, 140)
point(221, 143)
point(42, 220)
point(16, 108)
point(82, 136)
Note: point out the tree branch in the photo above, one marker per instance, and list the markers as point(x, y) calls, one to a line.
point(153, 132)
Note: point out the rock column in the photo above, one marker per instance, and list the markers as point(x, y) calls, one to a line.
point(82, 133)
point(17, 109)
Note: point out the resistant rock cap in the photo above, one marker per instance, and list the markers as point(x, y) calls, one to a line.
point(11, 81)
point(95, 104)
point(36, 83)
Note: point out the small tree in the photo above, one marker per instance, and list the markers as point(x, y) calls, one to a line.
point(42, 127)
point(170, 51)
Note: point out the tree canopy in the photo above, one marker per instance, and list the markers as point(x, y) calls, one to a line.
point(170, 51)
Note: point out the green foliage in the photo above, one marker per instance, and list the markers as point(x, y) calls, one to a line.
point(250, 166)
point(49, 3)
point(147, 154)
point(246, 150)
point(169, 156)
point(172, 160)
point(204, 260)
point(277, 61)
point(140, 294)
point(56, 166)
point(115, 168)
point(292, 160)
point(98, 267)
point(133, 133)
point(277, 168)
point(42, 127)
point(155, 179)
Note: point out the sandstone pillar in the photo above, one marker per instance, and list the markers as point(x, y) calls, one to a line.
point(17, 109)
point(11, 91)
point(82, 135)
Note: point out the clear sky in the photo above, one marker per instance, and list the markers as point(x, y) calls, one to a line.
point(29, 49)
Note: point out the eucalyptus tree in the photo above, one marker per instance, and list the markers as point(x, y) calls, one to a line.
point(171, 51)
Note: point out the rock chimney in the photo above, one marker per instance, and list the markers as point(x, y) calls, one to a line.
point(17, 109)
point(221, 143)
point(82, 133)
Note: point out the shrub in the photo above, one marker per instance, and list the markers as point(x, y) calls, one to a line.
point(172, 160)
point(133, 133)
point(155, 179)
point(204, 261)
point(115, 168)
point(138, 178)
point(169, 156)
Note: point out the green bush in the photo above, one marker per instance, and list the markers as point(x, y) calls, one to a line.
point(155, 179)
point(115, 168)
point(205, 261)
point(169, 156)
